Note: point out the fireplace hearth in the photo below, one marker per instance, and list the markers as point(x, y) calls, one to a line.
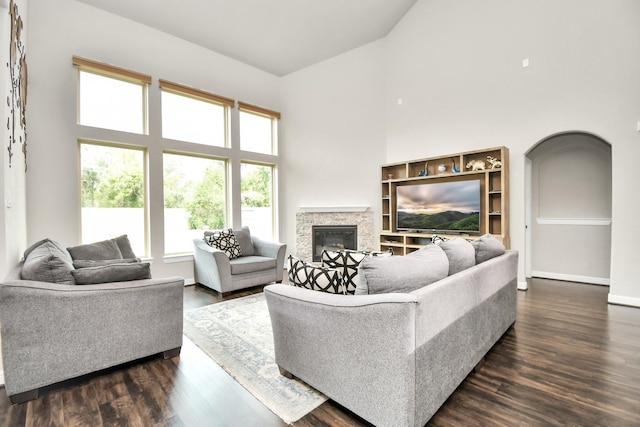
point(332, 238)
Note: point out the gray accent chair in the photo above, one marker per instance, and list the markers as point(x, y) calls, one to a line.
point(53, 332)
point(214, 269)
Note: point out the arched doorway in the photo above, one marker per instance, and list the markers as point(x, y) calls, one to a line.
point(568, 181)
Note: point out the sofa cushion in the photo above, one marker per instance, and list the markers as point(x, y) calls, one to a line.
point(402, 273)
point(112, 273)
point(84, 263)
point(243, 235)
point(249, 264)
point(487, 247)
point(106, 249)
point(347, 262)
point(48, 262)
point(460, 253)
point(224, 240)
point(305, 275)
point(125, 246)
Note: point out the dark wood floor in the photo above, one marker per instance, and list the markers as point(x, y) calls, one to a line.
point(570, 360)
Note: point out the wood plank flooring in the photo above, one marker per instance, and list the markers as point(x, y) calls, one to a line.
point(570, 360)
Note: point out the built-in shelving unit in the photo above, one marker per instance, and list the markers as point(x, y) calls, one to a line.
point(494, 189)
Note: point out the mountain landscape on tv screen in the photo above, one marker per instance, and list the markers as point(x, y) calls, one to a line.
point(448, 220)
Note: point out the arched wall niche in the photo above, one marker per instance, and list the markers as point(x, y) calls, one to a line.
point(568, 208)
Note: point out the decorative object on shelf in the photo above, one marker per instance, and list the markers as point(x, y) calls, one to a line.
point(389, 176)
point(442, 168)
point(17, 98)
point(476, 165)
point(495, 163)
point(454, 169)
point(420, 172)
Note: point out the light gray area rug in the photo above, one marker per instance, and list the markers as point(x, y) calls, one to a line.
point(237, 335)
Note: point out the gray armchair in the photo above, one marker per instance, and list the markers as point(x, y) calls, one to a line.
point(214, 269)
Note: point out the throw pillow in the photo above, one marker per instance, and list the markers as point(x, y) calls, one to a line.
point(112, 273)
point(347, 261)
point(487, 247)
point(305, 275)
point(402, 273)
point(106, 249)
point(84, 263)
point(125, 246)
point(461, 254)
point(225, 241)
point(48, 262)
point(244, 239)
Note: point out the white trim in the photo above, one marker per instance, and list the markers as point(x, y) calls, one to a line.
point(170, 259)
point(333, 208)
point(571, 278)
point(622, 300)
point(188, 282)
point(574, 221)
point(523, 286)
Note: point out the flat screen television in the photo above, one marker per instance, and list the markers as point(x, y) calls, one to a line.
point(452, 206)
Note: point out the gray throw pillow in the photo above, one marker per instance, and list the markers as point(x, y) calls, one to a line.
point(243, 235)
point(48, 262)
point(461, 254)
point(85, 263)
point(112, 273)
point(407, 273)
point(125, 246)
point(487, 247)
point(106, 249)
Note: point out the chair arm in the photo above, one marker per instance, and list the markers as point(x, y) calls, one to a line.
point(272, 250)
point(211, 266)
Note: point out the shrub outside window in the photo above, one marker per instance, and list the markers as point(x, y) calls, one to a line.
point(113, 197)
point(194, 199)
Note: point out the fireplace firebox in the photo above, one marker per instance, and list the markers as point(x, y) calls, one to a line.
point(332, 238)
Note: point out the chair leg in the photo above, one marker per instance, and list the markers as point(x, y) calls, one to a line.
point(24, 396)
point(285, 373)
point(168, 354)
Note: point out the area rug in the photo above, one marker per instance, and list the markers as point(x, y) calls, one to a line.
point(237, 335)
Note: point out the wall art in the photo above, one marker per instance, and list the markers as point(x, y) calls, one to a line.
point(17, 97)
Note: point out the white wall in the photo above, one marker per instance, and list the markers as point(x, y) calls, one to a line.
point(63, 28)
point(333, 135)
point(13, 232)
point(458, 67)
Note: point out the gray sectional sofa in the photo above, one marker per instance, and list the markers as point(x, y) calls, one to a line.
point(394, 357)
point(64, 317)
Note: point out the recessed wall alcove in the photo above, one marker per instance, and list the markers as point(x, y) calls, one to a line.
point(568, 212)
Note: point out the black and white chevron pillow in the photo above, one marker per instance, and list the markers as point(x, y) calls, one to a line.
point(347, 262)
point(224, 240)
point(305, 275)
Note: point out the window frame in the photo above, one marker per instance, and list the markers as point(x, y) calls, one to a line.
point(116, 73)
point(257, 110)
point(145, 185)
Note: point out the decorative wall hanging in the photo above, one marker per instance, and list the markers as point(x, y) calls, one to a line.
point(17, 98)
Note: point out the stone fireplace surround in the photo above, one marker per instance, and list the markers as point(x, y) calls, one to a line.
point(306, 217)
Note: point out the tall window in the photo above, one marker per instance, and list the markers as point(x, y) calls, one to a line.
point(258, 129)
point(257, 199)
point(113, 196)
point(194, 199)
point(193, 115)
point(110, 97)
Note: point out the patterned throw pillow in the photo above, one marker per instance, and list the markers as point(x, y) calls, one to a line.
point(347, 262)
point(224, 240)
point(305, 275)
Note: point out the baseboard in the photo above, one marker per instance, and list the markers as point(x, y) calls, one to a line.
point(523, 286)
point(622, 300)
point(571, 278)
point(190, 281)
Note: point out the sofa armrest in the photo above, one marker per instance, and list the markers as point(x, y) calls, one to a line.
point(357, 349)
point(271, 250)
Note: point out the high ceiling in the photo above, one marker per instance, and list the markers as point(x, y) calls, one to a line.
point(277, 36)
